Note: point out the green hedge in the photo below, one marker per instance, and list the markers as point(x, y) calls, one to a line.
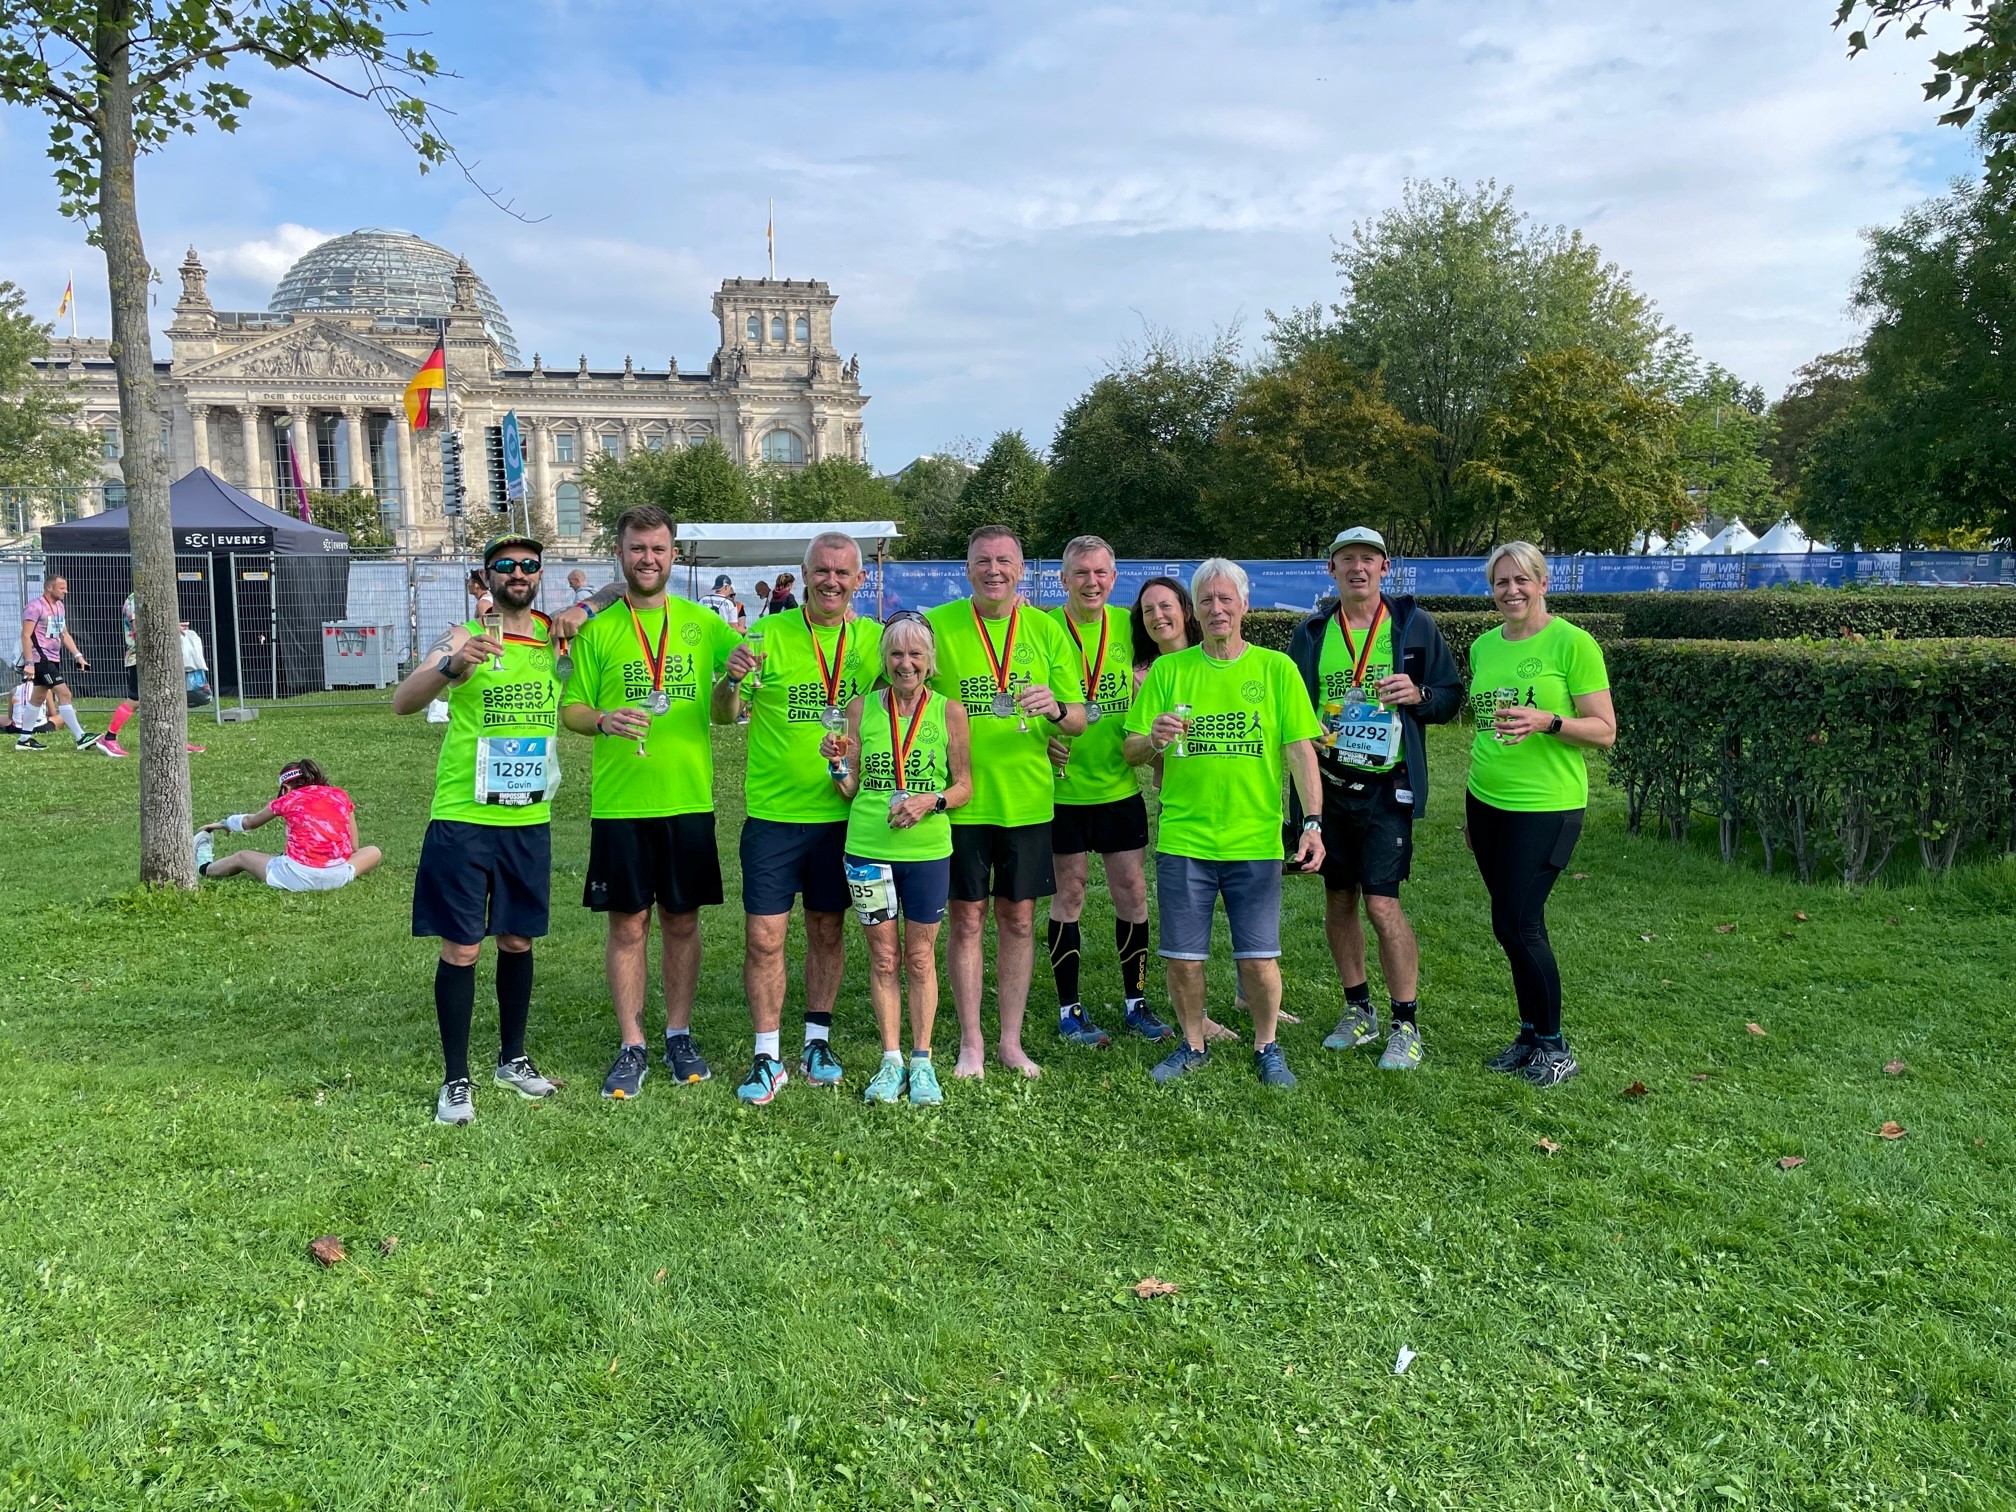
point(1824, 614)
point(1837, 754)
point(1574, 605)
point(1270, 627)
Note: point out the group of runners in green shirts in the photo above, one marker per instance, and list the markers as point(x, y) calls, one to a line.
point(969, 760)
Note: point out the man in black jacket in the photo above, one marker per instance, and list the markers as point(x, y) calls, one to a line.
point(1378, 672)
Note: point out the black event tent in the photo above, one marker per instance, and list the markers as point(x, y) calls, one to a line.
point(256, 584)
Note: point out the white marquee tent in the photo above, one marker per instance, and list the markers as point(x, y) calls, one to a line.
point(1785, 538)
point(1733, 537)
point(766, 544)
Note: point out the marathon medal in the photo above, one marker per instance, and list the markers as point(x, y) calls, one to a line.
point(900, 748)
point(1004, 701)
point(1094, 668)
point(830, 675)
point(657, 701)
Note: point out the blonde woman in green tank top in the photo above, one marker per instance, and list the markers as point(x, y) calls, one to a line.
point(907, 768)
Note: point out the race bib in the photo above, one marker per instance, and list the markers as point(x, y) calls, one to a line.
point(515, 770)
point(1367, 734)
point(873, 884)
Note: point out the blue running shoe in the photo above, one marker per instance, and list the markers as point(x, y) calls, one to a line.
point(766, 1075)
point(1080, 1030)
point(819, 1065)
point(886, 1085)
point(924, 1088)
point(627, 1073)
point(1142, 1021)
point(1179, 1062)
point(1272, 1065)
point(684, 1060)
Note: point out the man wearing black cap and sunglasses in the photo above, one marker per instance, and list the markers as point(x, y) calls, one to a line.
point(485, 867)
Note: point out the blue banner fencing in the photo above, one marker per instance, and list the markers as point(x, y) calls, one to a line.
point(1300, 586)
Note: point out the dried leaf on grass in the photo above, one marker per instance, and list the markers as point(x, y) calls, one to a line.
point(1637, 1089)
point(1891, 1130)
point(1725, 929)
point(1756, 1029)
point(1699, 1076)
point(327, 1250)
point(659, 1277)
point(1894, 1068)
point(1802, 916)
point(1580, 876)
point(1790, 1162)
point(1154, 1286)
point(1548, 1145)
point(612, 1362)
point(1891, 920)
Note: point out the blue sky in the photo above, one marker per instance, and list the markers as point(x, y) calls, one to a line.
point(1002, 194)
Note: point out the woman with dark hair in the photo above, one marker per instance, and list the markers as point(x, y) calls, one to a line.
point(781, 596)
point(1163, 621)
point(322, 851)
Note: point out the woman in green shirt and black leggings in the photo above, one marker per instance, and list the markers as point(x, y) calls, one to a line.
point(1541, 694)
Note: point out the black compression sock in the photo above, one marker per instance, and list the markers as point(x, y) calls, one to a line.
point(1359, 996)
point(454, 1005)
point(1403, 1013)
point(1551, 1041)
point(1132, 940)
point(514, 1002)
point(1064, 949)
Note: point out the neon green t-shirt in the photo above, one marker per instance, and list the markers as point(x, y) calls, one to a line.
point(1545, 671)
point(1012, 780)
point(1097, 772)
point(612, 655)
point(1221, 800)
point(506, 724)
point(1337, 673)
point(927, 769)
point(787, 779)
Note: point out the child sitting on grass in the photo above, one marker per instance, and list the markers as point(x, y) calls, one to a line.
point(322, 852)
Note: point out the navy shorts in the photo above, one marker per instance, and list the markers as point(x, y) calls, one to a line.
point(780, 861)
point(1108, 828)
point(671, 861)
point(1187, 891)
point(922, 887)
point(1009, 861)
point(478, 880)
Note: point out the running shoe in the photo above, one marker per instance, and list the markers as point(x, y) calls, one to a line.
point(924, 1089)
point(205, 844)
point(1403, 1049)
point(111, 747)
point(626, 1076)
point(684, 1061)
point(819, 1065)
point(886, 1086)
point(1142, 1021)
point(29, 743)
point(1359, 1026)
point(1549, 1066)
point(1080, 1030)
point(766, 1075)
point(1272, 1064)
point(87, 741)
point(456, 1103)
point(1179, 1062)
point(522, 1077)
point(1512, 1057)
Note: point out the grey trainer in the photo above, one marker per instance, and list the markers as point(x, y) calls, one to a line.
point(1403, 1049)
point(456, 1103)
point(522, 1077)
point(1359, 1026)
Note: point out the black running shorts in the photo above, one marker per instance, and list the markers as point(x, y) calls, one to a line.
point(1106, 828)
point(1009, 861)
point(1368, 837)
point(634, 863)
point(479, 880)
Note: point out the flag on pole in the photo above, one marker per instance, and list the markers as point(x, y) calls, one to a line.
point(433, 375)
point(69, 289)
point(770, 237)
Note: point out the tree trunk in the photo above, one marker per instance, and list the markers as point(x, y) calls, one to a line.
point(166, 856)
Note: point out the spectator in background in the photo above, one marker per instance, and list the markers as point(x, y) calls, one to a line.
point(129, 622)
point(721, 599)
point(45, 636)
point(577, 587)
point(781, 597)
point(762, 597)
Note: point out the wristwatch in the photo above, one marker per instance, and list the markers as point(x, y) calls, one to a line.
point(1555, 727)
point(939, 806)
point(446, 666)
point(1311, 824)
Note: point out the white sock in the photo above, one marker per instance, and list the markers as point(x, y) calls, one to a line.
point(766, 1044)
point(892, 1057)
point(70, 719)
point(817, 1031)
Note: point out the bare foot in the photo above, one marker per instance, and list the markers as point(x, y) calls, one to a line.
point(972, 1062)
point(1289, 1018)
point(1215, 1032)
point(1239, 1006)
point(1015, 1058)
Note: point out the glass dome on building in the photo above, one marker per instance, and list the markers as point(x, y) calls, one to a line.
point(377, 271)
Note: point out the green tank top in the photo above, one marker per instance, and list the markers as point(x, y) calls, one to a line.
point(926, 771)
point(500, 761)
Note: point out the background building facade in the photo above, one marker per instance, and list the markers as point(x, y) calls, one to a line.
point(319, 377)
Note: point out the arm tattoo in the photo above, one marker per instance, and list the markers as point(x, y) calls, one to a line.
point(440, 648)
point(604, 596)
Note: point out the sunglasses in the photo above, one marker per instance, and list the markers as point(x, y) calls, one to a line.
point(897, 615)
point(505, 566)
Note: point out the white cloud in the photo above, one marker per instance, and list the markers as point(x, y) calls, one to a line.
point(264, 258)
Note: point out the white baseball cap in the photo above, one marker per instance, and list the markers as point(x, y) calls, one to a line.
point(1359, 535)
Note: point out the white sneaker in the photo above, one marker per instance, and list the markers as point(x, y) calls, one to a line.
point(522, 1077)
point(206, 848)
point(456, 1104)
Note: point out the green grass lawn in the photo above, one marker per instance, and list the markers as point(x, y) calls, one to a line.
point(682, 1303)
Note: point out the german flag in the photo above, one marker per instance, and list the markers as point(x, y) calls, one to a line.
point(433, 375)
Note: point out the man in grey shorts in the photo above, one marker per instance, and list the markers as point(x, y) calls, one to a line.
point(1224, 716)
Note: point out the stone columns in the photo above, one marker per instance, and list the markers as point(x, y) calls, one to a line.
point(818, 438)
point(359, 449)
point(248, 424)
point(539, 438)
point(199, 434)
point(409, 472)
point(304, 435)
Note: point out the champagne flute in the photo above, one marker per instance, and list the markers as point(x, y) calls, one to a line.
point(493, 626)
point(755, 640)
point(1018, 682)
point(1502, 698)
point(1182, 713)
point(644, 703)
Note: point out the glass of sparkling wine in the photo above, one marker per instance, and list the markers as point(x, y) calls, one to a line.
point(1502, 698)
point(1182, 713)
point(493, 626)
point(755, 639)
point(1017, 682)
point(643, 702)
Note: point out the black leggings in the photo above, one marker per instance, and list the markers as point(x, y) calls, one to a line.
point(1519, 854)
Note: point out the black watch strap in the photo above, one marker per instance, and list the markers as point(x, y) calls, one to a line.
point(1555, 728)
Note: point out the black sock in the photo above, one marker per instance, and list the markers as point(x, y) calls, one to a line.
point(1132, 940)
point(1551, 1041)
point(514, 1002)
point(1359, 996)
point(454, 1005)
point(1403, 1013)
point(1064, 943)
point(1526, 1034)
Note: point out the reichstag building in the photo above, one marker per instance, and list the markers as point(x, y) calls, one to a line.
point(319, 375)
